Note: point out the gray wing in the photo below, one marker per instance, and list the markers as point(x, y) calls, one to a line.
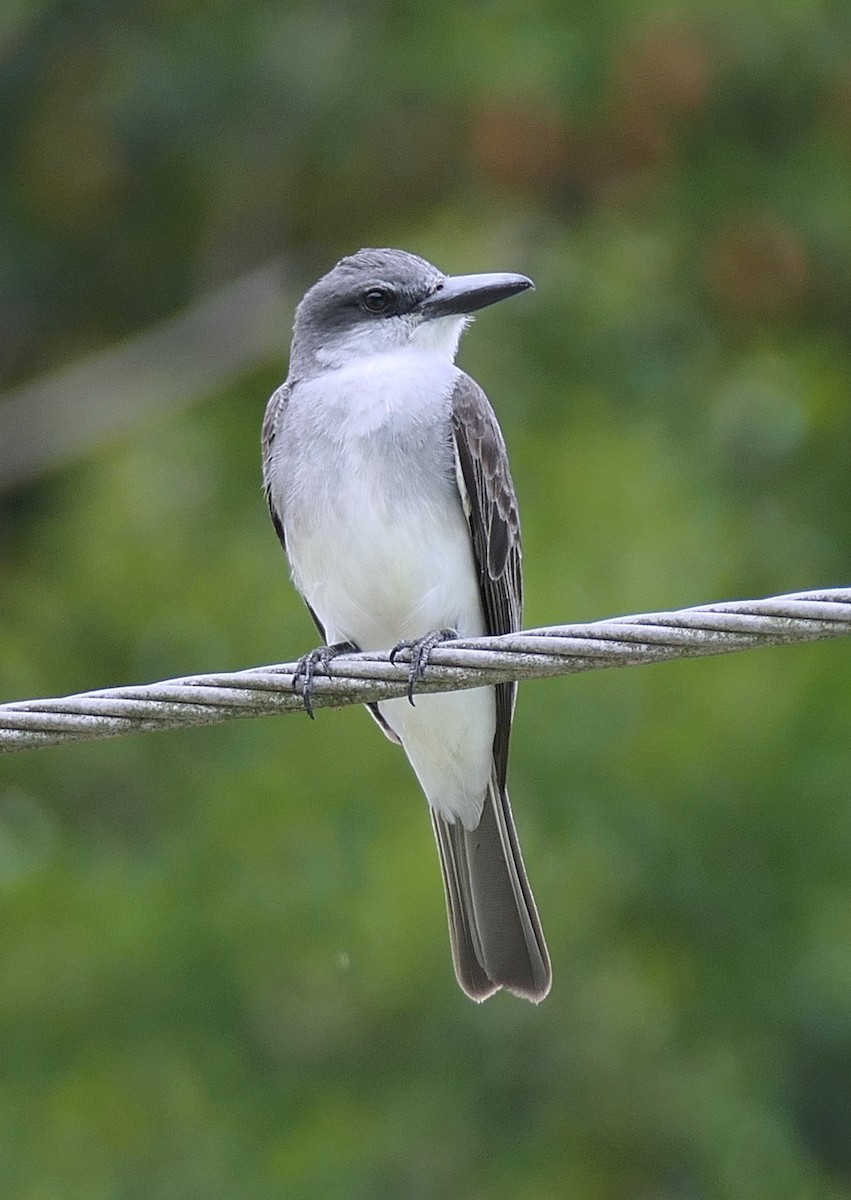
point(271, 423)
point(271, 426)
point(497, 940)
point(491, 507)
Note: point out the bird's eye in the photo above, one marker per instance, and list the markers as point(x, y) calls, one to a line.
point(377, 300)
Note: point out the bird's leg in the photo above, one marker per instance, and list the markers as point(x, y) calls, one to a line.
point(420, 649)
point(309, 664)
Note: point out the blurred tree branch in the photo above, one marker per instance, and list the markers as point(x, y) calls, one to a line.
point(72, 411)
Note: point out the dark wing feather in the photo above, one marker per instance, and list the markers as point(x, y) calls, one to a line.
point(491, 506)
point(271, 424)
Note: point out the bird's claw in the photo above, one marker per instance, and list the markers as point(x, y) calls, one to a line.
point(307, 666)
point(420, 649)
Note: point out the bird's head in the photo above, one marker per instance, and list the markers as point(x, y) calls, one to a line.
point(384, 301)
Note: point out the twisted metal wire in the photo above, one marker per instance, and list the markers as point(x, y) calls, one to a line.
point(361, 678)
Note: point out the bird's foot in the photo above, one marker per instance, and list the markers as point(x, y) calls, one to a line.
point(317, 660)
point(420, 649)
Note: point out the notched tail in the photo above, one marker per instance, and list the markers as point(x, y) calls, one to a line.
point(496, 935)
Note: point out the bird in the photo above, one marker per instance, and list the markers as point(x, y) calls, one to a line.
point(387, 479)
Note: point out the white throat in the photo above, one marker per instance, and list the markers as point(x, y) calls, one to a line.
point(394, 335)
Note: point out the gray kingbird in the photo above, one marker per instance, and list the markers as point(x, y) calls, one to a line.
point(388, 483)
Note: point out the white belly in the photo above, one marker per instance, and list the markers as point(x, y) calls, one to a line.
point(396, 577)
point(380, 549)
point(376, 574)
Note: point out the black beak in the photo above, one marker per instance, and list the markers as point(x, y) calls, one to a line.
point(461, 294)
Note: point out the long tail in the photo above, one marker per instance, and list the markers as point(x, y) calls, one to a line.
point(493, 923)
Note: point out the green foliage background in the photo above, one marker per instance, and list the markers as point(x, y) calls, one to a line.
point(224, 969)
